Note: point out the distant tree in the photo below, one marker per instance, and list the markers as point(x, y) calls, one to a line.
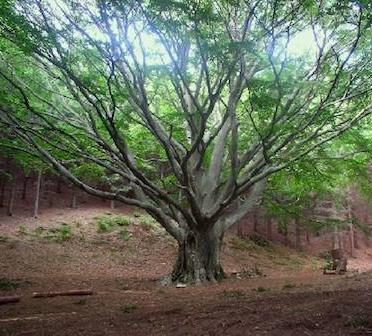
point(193, 103)
point(327, 173)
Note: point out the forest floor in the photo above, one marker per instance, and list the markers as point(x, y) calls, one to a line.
point(271, 290)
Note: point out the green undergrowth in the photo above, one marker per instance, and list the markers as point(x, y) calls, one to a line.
point(359, 321)
point(4, 238)
point(269, 254)
point(109, 222)
point(128, 308)
point(60, 233)
point(10, 284)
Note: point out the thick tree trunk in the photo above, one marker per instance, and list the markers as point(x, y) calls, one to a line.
point(198, 259)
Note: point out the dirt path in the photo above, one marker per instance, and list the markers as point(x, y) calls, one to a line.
point(288, 296)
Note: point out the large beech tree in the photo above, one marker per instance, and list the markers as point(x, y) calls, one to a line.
point(193, 104)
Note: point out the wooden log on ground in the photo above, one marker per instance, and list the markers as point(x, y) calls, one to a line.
point(9, 299)
point(73, 292)
point(333, 272)
point(329, 272)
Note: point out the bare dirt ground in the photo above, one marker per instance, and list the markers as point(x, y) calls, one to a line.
point(277, 291)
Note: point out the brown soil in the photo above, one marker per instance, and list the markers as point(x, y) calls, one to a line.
point(293, 297)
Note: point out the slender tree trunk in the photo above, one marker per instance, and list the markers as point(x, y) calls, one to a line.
point(74, 201)
point(24, 189)
point(269, 228)
point(307, 233)
point(2, 192)
point(351, 226)
point(351, 238)
point(11, 198)
point(366, 213)
point(336, 238)
point(59, 186)
point(198, 258)
point(356, 238)
point(37, 194)
point(298, 233)
point(112, 204)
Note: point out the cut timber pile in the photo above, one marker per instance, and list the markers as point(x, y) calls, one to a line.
point(75, 292)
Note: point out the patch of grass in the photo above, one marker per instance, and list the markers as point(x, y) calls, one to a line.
point(106, 222)
point(128, 308)
point(292, 263)
point(103, 226)
point(137, 214)
point(261, 289)
point(288, 285)
point(60, 234)
point(40, 230)
point(259, 240)
point(125, 235)
point(22, 230)
point(4, 239)
point(122, 220)
point(326, 257)
point(81, 302)
point(6, 284)
point(234, 294)
point(358, 322)
point(254, 271)
point(241, 244)
point(77, 223)
point(147, 222)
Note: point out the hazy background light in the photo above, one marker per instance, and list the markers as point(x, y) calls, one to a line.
point(303, 44)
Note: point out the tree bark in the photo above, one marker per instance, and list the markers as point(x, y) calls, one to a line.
point(112, 204)
point(74, 201)
point(307, 233)
point(352, 242)
point(9, 299)
point(199, 258)
point(24, 190)
point(255, 221)
point(72, 292)
point(11, 199)
point(298, 233)
point(37, 194)
point(2, 192)
point(59, 186)
point(336, 239)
